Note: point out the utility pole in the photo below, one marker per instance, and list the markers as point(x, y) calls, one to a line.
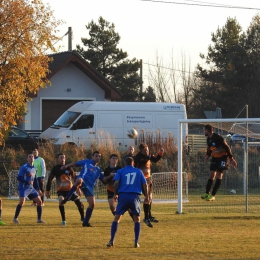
point(70, 39)
point(141, 79)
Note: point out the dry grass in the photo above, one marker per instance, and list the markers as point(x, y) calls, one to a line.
point(104, 144)
point(186, 236)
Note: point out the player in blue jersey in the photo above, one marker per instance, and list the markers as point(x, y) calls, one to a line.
point(86, 181)
point(129, 183)
point(27, 178)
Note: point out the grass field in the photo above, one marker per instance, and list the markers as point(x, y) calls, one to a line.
point(176, 236)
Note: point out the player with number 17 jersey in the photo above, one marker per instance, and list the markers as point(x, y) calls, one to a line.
point(130, 180)
point(129, 183)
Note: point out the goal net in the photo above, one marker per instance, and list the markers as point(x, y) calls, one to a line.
point(240, 187)
point(165, 187)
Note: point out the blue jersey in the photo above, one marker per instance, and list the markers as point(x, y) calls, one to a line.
point(27, 173)
point(130, 179)
point(90, 173)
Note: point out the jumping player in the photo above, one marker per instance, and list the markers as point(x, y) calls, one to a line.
point(220, 152)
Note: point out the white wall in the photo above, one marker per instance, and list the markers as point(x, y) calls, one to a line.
point(69, 77)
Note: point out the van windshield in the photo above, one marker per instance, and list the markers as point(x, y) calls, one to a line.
point(66, 119)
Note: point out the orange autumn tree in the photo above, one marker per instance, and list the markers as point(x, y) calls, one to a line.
point(27, 30)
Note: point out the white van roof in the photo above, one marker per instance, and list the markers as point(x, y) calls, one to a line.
point(126, 106)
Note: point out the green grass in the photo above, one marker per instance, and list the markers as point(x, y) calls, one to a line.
point(177, 236)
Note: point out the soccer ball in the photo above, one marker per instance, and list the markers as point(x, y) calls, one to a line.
point(132, 133)
point(232, 192)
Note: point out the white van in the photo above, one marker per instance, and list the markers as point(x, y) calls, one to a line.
point(87, 121)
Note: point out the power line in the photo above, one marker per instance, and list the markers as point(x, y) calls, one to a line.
point(167, 68)
point(209, 3)
point(204, 5)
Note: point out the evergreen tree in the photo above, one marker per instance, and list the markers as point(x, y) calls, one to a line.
point(226, 72)
point(149, 95)
point(104, 55)
point(252, 46)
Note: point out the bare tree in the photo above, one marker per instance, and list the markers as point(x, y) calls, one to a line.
point(188, 83)
point(158, 79)
point(173, 83)
point(174, 77)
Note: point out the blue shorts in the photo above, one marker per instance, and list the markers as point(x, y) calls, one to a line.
point(128, 201)
point(86, 191)
point(30, 193)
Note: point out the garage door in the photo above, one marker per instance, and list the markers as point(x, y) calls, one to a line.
point(53, 109)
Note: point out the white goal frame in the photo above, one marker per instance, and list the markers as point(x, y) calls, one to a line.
point(180, 151)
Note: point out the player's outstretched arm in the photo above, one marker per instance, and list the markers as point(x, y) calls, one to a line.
point(66, 166)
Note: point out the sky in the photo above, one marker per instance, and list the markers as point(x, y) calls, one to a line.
point(167, 29)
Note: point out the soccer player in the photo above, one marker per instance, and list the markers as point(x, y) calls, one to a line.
point(64, 182)
point(27, 178)
point(39, 164)
point(111, 169)
point(86, 180)
point(221, 153)
point(143, 161)
point(130, 153)
point(1, 207)
point(129, 183)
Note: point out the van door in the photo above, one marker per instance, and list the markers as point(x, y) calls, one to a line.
point(84, 129)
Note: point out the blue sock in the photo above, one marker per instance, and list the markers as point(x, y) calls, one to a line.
point(17, 211)
point(73, 189)
point(114, 227)
point(137, 229)
point(39, 212)
point(88, 216)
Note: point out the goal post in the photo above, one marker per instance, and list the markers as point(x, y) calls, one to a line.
point(248, 128)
